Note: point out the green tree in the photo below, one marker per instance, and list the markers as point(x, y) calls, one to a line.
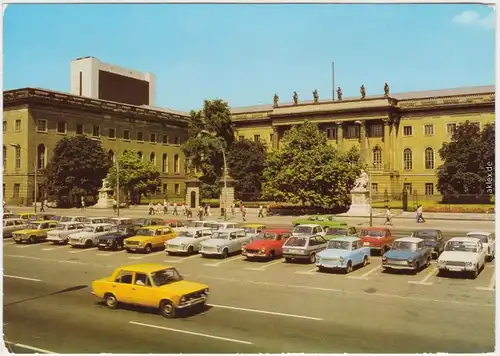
point(308, 171)
point(137, 177)
point(76, 168)
point(464, 172)
point(246, 161)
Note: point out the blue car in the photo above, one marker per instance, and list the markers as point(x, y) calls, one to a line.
point(408, 253)
point(343, 253)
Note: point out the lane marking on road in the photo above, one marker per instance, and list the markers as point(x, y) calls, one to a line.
point(424, 280)
point(365, 275)
point(264, 266)
point(9, 243)
point(82, 250)
point(491, 285)
point(104, 254)
point(60, 261)
point(192, 333)
point(32, 348)
point(24, 278)
point(266, 312)
point(54, 248)
point(26, 245)
point(148, 255)
point(172, 261)
point(310, 272)
point(235, 258)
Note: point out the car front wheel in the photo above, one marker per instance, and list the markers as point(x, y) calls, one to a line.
point(167, 309)
point(111, 301)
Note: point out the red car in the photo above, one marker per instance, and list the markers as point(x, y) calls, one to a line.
point(377, 238)
point(269, 244)
point(174, 224)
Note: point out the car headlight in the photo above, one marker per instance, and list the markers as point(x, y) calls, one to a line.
point(341, 259)
point(384, 258)
point(183, 299)
point(207, 291)
point(468, 264)
point(263, 250)
point(410, 260)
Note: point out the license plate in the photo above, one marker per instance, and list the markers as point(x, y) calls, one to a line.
point(250, 254)
point(366, 244)
point(455, 269)
point(103, 245)
point(133, 249)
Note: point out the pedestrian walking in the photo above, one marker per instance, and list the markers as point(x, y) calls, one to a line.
point(175, 210)
point(115, 205)
point(232, 208)
point(268, 210)
point(158, 208)
point(151, 209)
point(42, 206)
point(183, 209)
point(200, 213)
point(46, 203)
point(420, 212)
point(82, 204)
point(208, 210)
point(388, 217)
point(243, 213)
point(241, 206)
point(261, 212)
point(165, 206)
point(189, 212)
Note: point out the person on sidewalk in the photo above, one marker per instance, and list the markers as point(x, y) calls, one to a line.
point(175, 210)
point(268, 210)
point(261, 212)
point(158, 208)
point(200, 213)
point(46, 203)
point(208, 210)
point(165, 206)
point(183, 209)
point(115, 205)
point(244, 212)
point(420, 212)
point(42, 206)
point(388, 217)
point(82, 204)
point(232, 208)
point(151, 209)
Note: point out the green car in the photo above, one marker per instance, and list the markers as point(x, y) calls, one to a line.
point(342, 231)
point(324, 221)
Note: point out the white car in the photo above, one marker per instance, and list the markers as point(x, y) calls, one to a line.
point(488, 242)
point(188, 240)
point(11, 225)
point(308, 229)
point(226, 225)
point(462, 254)
point(95, 220)
point(63, 231)
point(214, 225)
point(76, 218)
point(224, 242)
point(90, 235)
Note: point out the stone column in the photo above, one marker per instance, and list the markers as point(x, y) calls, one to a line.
point(340, 133)
point(274, 144)
point(193, 193)
point(227, 195)
point(362, 143)
point(387, 163)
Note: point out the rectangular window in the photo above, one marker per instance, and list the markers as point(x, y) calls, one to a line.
point(256, 138)
point(79, 129)
point(374, 187)
point(429, 130)
point(177, 141)
point(353, 131)
point(18, 157)
point(241, 138)
point(96, 131)
point(165, 187)
point(165, 139)
point(41, 125)
point(126, 134)
point(61, 127)
point(80, 82)
point(111, 133)
point(331, 133)
point(407, 187)
point(17, 189)
point(376, 131)
point(177, 189)
point(152, 138)
point(140, 136)
point(5, 126)
point(18, 125)
point(408, 130)
point(450, 128)
point(429, 188)
point(271, 139)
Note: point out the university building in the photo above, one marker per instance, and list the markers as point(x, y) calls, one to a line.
point(399, 135)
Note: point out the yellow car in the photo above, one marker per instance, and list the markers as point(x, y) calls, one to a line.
point(34, 231)
point(149, 238)
point(150, 285)
point(26, 216)
point(253, 229)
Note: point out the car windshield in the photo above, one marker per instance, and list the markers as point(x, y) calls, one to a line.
point(221, 236)
point(61, 227)
point(65, 219)
point(165, 276)
point(404, 245)
point(302, 230)
point(336, 231)
point(426, 235)
point(185, 234)
point(89, 229)
point(371, 233)
point(249, 230)
point(483, 238)
point(56, 218)
point(461, 246)
point(266, 236)
point(198, 224)
point(296, 241)
point(34, 226)
point(145, 232)
point(339, 245)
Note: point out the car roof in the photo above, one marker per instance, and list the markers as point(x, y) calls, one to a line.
point(410, 239)
point(96, 217)
point(71, 223)
point(116, 218)
point(277, 230)
point(44, 221)
point(101, 224)
point(145, 267)
point(75, 216)
point(154, 227)
point(479, 233)
point(463, 239)
point(173, 220)
point(230, 230)
point(347, 238)
point(13, 219)
point(191, 228)
point(308, 225)
point(374, 228)
point(253, 225)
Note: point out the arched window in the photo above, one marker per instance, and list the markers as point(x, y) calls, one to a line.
point(429, 158)
point(407, 159)
point(4, 158)
point(164, 163)
point(111, 156)
point(140, 155)
point(41, 154)
point(176, 164)
point(152, 158)
point(377, 158)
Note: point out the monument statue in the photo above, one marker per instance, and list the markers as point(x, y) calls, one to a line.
point(316, 96)
point(339, 93)
point(276, 100)
point(295, 98)
point(361, 184)
point(362, 90)
point(386, 89)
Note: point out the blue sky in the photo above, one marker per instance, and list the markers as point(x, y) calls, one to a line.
point(246, 53)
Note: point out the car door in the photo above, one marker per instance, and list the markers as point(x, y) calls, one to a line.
point(422, 253)
point(481, 254)
point(122, 286)
point(142, 290)
point(167, 234)
point(357, 256)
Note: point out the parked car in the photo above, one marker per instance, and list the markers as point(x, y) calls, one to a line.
point(25, 216)
point(35, 231)
point(343, 253)
point(253, 230)
point(463, 254)
point(214, 225)
point(267, 244)
point(302, 247)
point(188, 240)
point(95, 220)
point(119, 221)
point(221, 225)
point(90, 235)
point(336, 232)
point(149, 238)
point(10, 216)
point(308, 229)
point(433, 238)
point(43, 217)
point(175, 224)
point(11, 225)
point(488, 241)
point(409, 253)
point(224, 242)
point(150, 285)
point(114, 240)
point(377, 238)
point(63, 231)
point(151, 221)
point(76, 218)
point(322, 220)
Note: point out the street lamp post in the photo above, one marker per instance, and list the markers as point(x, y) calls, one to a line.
point(16, 145)
point(225, 169)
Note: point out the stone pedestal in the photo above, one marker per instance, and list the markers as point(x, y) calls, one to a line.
point(227, 194)
point(193, 193)
point(360, 203)
point(105, 198)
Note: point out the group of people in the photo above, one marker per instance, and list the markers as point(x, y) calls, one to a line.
point(419, 215)
point(158, 208)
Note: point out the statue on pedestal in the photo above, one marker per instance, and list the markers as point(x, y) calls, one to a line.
point(361, 184)
point(339, 94)
point(386, 89)
point(316, 96)
point(295, 98)
point(362, 90)
point(276, 100)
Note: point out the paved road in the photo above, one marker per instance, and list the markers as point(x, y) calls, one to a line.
point(257, 307)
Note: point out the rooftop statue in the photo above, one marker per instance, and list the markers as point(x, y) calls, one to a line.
point(339, 93)
point(316, 96)
point(295, 98)
point(386, 89)
point(276, 100)
point(362, 90)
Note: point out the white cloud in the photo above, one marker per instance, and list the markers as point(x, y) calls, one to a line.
point(472, 18)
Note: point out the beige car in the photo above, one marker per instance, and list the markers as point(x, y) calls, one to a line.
point(11, 225)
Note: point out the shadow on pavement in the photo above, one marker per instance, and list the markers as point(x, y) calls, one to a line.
point(66, 290)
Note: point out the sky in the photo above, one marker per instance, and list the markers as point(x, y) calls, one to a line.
point(244, 54)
